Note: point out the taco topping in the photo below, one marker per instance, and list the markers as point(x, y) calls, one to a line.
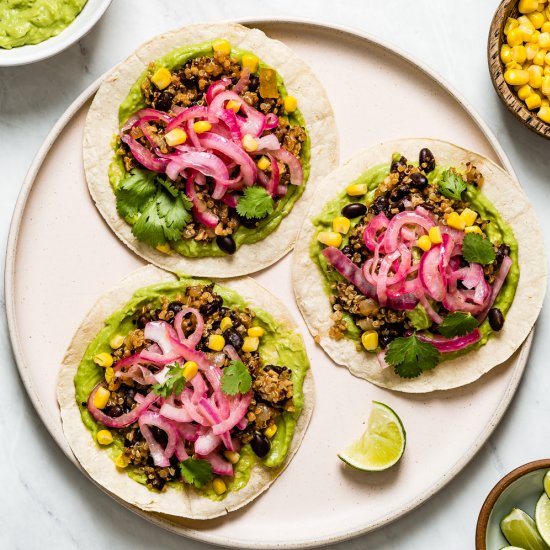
point(187, 388)
point(418, 274)
point(216, 147)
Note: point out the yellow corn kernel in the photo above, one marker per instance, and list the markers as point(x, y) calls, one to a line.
point(249, 143)
point(526, 33)
point(109, 374)
point(539, 58)
point(177, 136)
point(330, 238)
point(190, 369)
point(341, 224)
point(506, 53)
point(104, 437)
point(513, 65)
point(233, 105)
point(533, 102)
point(116, 341)
point(264, 163)
point(369, 340)
point(545, 85)
point(202, 126)
point(101, 397)
point(535, 76)
point(510, 24)
point(519, 55)
point(544, 39)
point(514, 37)
point(547, 12)
point(270, 431)
point(544, 114)
point(546, 70)
point(537, 19)
point(250, 62)
point(356, 189)
point(216, 342)
point(258, 332)
point(528, 6)
point(516, 77)
point(424, 243)
point(525, 91)
point(473, 229)
point(434, 235)
point(232, 456)
point(455, 221)
point(547, 59)
point(535, 37)
point(221, 46)
point(121, 461)
point(545, 103)
point(103, 359)
point(469, 216)
point(219, 486)
point(545, 27)
point(291, 104)
point(162, 78)
point(164, 248)
point(530, 50)
point(250, 344)
point(226, 323)
point(524, 21)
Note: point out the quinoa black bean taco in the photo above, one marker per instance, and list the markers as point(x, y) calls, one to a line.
point(430, 261)
point(202, 149)
point(183, 396)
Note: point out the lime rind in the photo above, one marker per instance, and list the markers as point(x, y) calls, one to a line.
point(520, 530)
point(547, 483)
point(381, 446)
point(542, 517)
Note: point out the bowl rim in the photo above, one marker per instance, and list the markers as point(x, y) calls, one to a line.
point(497, 490)
point(505, 92)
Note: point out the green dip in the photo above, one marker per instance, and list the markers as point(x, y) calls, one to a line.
point(498, 231)
point(279, 345)
point(33, 21)
point(134, 102)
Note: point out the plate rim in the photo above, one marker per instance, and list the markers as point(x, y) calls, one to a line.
point(22, 367)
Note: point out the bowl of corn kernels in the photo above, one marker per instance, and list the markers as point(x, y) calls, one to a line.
point(519, 60)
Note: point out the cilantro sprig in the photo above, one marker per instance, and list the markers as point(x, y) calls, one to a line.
point(256, 202)
point(476, 249)
point(196, 471)
point(410, 357)
point(174, 383)
point(236, 378)
point(457, 324)
point(452, 185)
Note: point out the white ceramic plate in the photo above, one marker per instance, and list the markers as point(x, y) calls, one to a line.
point(84, 21)
point(62, 257)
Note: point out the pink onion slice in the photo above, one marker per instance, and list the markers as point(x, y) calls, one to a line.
point(161, 457)
point(207, 443)
point(219, 466)
point(293, 163)
point(143, 155)
point(191, 113)
point(200, 211)
point(447, 345)
point(194, 338)
point(430, 273)
point(370, 235)
point(243, 81)
point(238, 411)
point(406, 217)
point(497, 285)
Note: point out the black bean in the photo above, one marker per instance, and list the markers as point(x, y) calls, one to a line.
point(396, 163)
point(247, 222)
point(211, 307)
point(233, 338)
point(503, 250)
point(260, 444)
point(400, 191)
point(114, 411)
point(160, 435)
point(164, 101)
point(401, 204)
point(380, 204)
point(142, 321)
point(496, 319)
point(347, 250)
point(426, 160)
point(227, 244)
point(175, 307)
point(354, 210)
point(420, 181)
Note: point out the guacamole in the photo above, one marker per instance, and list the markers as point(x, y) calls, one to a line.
point(497, 231)
point(33, 21)
point(279, 345)
point(191, 247)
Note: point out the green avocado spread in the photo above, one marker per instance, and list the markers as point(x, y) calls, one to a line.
point(33, 21)
point(134, 102)
point(279, 345)
point(497, 230)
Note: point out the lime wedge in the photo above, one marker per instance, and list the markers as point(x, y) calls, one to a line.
point(381, 446)
point(542, 517)
point(520, 530)
point(547, 483)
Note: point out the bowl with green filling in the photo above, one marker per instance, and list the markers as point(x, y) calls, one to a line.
point(424, 270)
point(184, 396)
point(202, 150)
point(31, 30)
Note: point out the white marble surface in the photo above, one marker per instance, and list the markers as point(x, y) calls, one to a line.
point(44, 501)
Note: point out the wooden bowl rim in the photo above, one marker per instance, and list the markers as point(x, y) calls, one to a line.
point(513, 103)
point(496, 491)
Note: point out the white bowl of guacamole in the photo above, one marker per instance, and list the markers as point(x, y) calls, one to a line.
point(31, 30)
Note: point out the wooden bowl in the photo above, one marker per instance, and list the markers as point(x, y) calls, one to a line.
point(520, 488)
point(509, 8)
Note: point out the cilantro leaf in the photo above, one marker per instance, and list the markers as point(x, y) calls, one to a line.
point(419, 318)
point(196, 471)
point(476, 249)
point(175, 215)
point(410, 357)
point(451, 185)
point(457, 324)
point(135, 192)
point(236, 378)
point(174, 383)
point(186, 202)
point(149, 227)
point(255, 203)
